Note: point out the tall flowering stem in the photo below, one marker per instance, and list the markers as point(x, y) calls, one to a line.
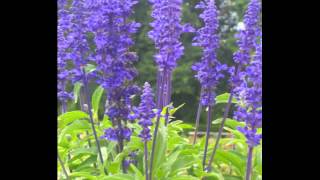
point(85, 86)
point(197, 124)
point(209, 69)
point(64, 18)
point(207, 136)
point(247, 40)
point(249, 163)
point(166, 33)
point(77, 50)
point(115, 71)
point(145, 114)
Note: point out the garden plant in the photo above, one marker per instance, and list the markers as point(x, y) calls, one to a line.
point(113, 127)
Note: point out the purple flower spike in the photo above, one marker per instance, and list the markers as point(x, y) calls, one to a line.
point(209, 69)
point(248, 83)
point(112, 29)
point(166, 32)
point(145, 112)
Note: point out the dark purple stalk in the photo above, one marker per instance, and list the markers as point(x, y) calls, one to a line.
point(197, 123)
point(207, 135)
point(146, 159)
point(63, 167)
point(82, 103)
point(159, 92)
point(249, 164)
point(63, 107)
point(225, 115)
point(154, 143)
point(86, 91)
point(167, 96)
point(160, 83)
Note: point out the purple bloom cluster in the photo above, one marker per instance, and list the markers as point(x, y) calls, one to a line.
point(145, 112)
point(113, 134)
point(64, 22)
point(166, 32)
point(251, 97)
point(109, 20)
point(209, 69)
point(247, 82)
point(246, 39)
point(132, 159)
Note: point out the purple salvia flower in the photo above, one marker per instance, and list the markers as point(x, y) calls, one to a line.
point(145, 112)
point(247, 37)
point(73, 33)
point(209, 69)
point(246, 40)
point(63, 43)
point(166, 33)
point(112, 29)
point(250, 98)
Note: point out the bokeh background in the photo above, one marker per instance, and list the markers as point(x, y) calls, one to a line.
point(186, 88)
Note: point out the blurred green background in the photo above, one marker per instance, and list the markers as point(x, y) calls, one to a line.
point(186, 88)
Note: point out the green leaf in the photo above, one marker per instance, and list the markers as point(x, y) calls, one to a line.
point(229, 123)
point(182, 163)
point(232, 177)
point(172, 111)
point(89, 151)
point(160, 148)
point(96, 97)
point(138, 174)
point(83, 175)
point(75, 127)
point(76, 91)
point(223, 98)
point(237, 160)
point(114, 167)
point(119, 177)
point(68, 117)
point(85, 164)
point(183, 178)
point(90, 68)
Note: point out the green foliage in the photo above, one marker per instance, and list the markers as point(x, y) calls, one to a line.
point(175, 157)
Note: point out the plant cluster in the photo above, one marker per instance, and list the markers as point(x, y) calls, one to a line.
point(145, 141)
